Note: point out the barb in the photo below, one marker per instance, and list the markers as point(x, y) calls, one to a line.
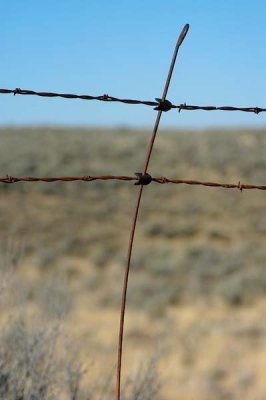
point(138, 178)
point(165, 106)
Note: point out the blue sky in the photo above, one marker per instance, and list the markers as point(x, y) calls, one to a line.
point(124, 48)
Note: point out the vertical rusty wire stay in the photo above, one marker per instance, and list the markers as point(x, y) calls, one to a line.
point(136, 210)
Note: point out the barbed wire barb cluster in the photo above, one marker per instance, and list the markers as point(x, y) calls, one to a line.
point(156, 104)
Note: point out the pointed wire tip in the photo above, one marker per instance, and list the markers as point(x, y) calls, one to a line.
point(183, 34)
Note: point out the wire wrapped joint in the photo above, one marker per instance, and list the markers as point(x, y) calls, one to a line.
point(9, 179)
point(163, 105)
point(257, 110)
point(182, 107)
point(17, 91)
point(240, 186)
point(143, 179)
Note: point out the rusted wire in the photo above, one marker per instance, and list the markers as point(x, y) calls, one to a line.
point(85, 178)
point(162, 106)
point(157, 104)
point(9, 179)
point(239, 185)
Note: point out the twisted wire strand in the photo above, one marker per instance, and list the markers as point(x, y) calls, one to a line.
point(107, 98)
point(161, 180)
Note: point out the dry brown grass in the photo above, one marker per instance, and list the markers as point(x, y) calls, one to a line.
point(198, 282)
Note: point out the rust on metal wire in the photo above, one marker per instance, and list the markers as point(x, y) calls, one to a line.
point(85, 178)
point(143, 179)
point(165, 106)
point(140, 178)
point(135, 215)
point(239, 185)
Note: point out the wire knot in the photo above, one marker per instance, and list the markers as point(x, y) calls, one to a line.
point(10, 179)
point(240, 186)
point(143, 179)
point(257, 110)
point(163, 105)
point(163, 180)
point(16, 91)
point(181, 107)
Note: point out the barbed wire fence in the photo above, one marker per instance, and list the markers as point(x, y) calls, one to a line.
point(140, 178)
point(158, 104)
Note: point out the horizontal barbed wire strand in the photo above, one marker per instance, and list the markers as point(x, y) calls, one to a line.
point(107, 98)
point(162, 180)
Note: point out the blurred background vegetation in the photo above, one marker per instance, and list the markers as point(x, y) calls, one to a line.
point(198, 265)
